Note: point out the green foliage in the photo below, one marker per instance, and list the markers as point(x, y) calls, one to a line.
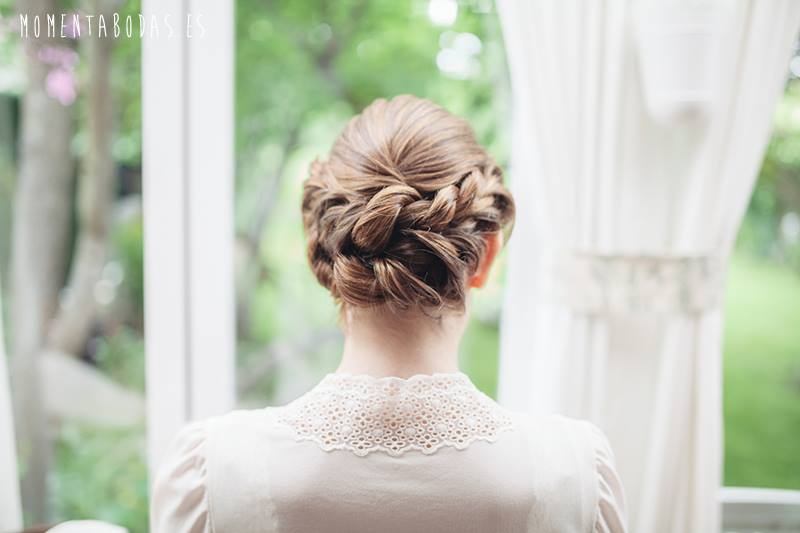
point(479, 354)
point(303, 68)
point(101, 474)
point(777, 192)
point(762, 375)
point(121, 356)
point(128, 248)
point(126, 80)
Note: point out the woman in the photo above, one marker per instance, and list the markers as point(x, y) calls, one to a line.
point(402, 220)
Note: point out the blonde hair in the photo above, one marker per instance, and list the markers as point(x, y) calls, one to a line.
point(400, 211)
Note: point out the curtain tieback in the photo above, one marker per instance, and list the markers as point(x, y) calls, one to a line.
point(622, 283)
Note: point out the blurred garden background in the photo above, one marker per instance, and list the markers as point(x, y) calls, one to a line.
point(302, 69)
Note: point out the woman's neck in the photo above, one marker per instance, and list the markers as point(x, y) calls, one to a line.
point(379, 343)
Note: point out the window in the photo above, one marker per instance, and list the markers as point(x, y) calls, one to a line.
point(71, 271)
point(762, 345)
point(232, 306)
point(301, 73)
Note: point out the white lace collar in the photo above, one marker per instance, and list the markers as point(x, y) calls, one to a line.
point(364, 414)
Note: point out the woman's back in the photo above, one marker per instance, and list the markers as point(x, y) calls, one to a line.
point(356, 454)
point(402, 220)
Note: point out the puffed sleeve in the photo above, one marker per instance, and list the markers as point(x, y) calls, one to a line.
point(611, 514)
point(179, 502)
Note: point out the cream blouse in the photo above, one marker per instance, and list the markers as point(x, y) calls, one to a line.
point(359, 454)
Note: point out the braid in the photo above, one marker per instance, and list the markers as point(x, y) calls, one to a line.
point(399, 213)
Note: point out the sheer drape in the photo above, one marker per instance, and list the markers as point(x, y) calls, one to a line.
point(639, 130)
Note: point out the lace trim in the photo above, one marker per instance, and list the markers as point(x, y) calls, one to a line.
point(364, 414)
point(619, 283)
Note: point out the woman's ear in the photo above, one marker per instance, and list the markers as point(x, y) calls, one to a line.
point(494, 242)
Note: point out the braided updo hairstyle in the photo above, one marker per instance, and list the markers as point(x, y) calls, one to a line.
point(400, 211)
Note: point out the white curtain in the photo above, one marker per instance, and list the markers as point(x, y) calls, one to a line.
point(639, 131)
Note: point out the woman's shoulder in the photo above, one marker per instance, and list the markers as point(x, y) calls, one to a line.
point(227, 434)
point(183, 489)
point(579, 441)
point(581, 450)
point(197, 436)
point(556, 426)
point(237, 419)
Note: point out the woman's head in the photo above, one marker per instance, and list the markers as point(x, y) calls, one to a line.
point(403, 211)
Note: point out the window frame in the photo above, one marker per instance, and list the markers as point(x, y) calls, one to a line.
point(188, 177)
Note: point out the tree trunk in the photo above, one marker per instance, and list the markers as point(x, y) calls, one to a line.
point(72, 325)
point(10, 508)
point(40, 236)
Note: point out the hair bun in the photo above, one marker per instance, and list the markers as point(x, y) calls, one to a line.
point(399, 213)
point(375, 226)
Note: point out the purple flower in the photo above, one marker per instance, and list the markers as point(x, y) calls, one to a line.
point(58, 55)
point(62, 85)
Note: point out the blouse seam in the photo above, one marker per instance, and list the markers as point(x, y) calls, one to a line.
point(208, 481)
point(597, 479)
point(525, 422)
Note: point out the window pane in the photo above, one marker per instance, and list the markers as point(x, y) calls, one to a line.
point(302, 70)
point(762, 340)
point(71, 267)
